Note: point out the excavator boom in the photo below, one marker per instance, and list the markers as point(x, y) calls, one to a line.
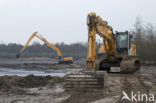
point(50, 45)
point(97, 26)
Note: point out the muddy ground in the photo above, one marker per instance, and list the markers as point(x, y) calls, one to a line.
point(32, 89)
point(40, 64)
point(48, 89)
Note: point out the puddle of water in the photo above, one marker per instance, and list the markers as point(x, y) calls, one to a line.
point(25, 72)
point(60, 72)
point(27, 61)
point(143, 69)
point(148, 69)
point(44, 90)
point(115, 69)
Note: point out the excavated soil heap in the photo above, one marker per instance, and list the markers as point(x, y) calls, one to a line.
point(30, 81)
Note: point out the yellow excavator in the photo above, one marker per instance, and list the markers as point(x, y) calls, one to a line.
point(116, 51)
point(61, 60)
point(116, 46)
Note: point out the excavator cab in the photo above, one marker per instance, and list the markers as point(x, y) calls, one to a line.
point(122, 42)
point(65, 60)
point(123, 45)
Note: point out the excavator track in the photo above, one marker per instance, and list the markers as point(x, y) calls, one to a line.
point(129, 65)
point(86, 80)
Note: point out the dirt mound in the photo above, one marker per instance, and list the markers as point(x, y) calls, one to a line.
point(30, 81)
point(4, 86)
point(45, 65)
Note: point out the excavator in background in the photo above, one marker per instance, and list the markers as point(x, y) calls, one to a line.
point(114, 52)
point(61, 60)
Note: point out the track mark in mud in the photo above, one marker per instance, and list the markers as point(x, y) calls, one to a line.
point(133, 83)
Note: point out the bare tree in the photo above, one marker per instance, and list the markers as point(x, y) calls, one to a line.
point(145, 40)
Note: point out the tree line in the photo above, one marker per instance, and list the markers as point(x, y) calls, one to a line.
point(145, 40)
point(75, 50)
point(144, 36)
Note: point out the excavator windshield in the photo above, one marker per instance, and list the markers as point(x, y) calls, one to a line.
point(122, 43)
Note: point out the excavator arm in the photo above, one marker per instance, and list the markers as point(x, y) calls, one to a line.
point(106, 33)
point(97, 26)
point(31, 37)
point(59, 54)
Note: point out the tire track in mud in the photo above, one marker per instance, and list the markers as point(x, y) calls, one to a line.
point(117, 83)
point(135, 83)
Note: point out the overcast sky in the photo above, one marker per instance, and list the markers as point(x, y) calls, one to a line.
point(65, 20)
